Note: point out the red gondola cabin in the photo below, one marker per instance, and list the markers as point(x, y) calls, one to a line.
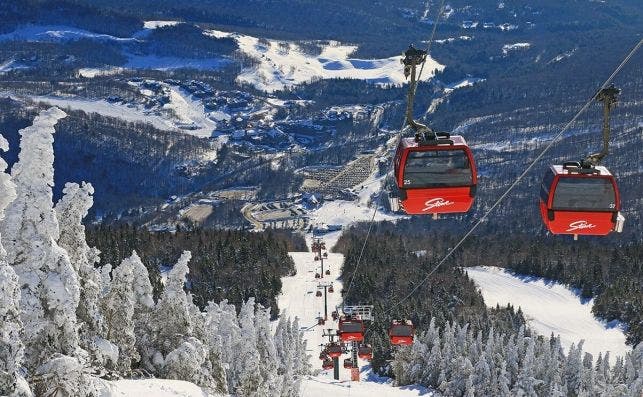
point(327, 364)
point(580, 201)
point(333, 350)
point(351, 329)
point(434, 177)
point(365, 352)
point(401, 332)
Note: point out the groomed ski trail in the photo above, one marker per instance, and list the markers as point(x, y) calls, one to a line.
point(298, 300)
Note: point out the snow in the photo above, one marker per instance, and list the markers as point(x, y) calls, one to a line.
point(298, 299)
point(190, 112)
point(324, 387)
point(130, 114)
point(564, 55)
point(186, 111)
point(515, 47)
point(56, 33)
point(93, 72)
point(341, 212)
point(169, 63)
point(468, 82)
point(152, 387)
point(550, 308)
point(159, 24)
point(10, 65)
point(283, 64)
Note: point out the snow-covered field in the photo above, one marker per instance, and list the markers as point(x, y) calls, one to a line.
point(468, 82)
point(514, 47)
point(184, 111)
point(550, 308)
point(152, 388)
point(284, 64)
point(130, 114)
point(56, 33)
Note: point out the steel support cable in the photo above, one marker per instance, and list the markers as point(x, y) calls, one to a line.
point(520, 177)
point(399, 134)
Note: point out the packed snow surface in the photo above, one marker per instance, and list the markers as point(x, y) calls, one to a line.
point(284, 64)
point(550, 308)
point(468, 82)
point(159, 24)
point(56, 33)
point(131, 114)
point(514, 47)
point(153, 387)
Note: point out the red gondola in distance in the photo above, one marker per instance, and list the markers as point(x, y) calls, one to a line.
point(327, 364)
point(333, 350)
point(401, 333)
point(580, 201)
point(365, 352)
point(435, 176)
point(351, 329)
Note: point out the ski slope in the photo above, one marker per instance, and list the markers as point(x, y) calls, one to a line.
point(550, 308)
point(298, 299)
point(152, 388)
point(282, 64)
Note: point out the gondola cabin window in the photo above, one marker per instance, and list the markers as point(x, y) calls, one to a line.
point(584, 194)
point(438, 168)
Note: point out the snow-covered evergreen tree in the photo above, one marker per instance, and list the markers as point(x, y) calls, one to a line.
point(130, 293)
point(70, 212)
point(172, 319)
point(268, 360)
point(541, 366)
point(286, 354)
point(50, 287)
point(214, 323)
point(301, 366)
point(11, 347)
point(189, 362)
point(526, 382)
point(245, 367)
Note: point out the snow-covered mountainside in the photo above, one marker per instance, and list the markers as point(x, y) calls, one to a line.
point(550, 309)
point(283, 64)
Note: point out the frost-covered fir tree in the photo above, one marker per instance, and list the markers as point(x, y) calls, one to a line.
point(245, 367)
point(302, 366)
point(50, 290)
point(286, 354)
point(50, 287)
point(172, 320)
point(11, 347)
point(269, 362)
point(214, 322)
point(130, 293)
point(189, 362)
point(541, 365)
point(70, 212)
